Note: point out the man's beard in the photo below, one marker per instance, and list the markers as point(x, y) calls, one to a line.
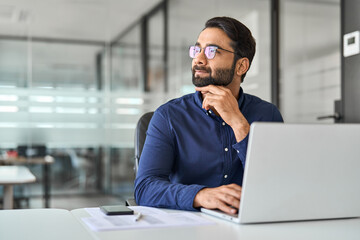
point(222, 76)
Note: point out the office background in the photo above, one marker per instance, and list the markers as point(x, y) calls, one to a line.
point(75, 75)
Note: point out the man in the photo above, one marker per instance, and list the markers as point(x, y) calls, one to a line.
point(194, 154)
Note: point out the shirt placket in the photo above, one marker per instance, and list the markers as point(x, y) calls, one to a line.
point(227, 152)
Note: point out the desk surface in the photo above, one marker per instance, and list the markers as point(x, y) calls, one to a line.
point(62, 224)
point(40, 224)
point(15, 175)
point(327, 230)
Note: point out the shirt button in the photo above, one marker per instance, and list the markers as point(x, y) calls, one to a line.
point(225, 176)
point(223, 123)
point(237, 151)
point(226, 149)
point(210, 112)
point(207, 114)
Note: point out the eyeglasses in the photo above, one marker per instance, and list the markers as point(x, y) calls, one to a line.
point(210, 51)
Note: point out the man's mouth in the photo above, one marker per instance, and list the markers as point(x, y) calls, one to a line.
point(200, 71)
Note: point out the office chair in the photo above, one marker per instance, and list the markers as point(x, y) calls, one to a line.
point(140, 136)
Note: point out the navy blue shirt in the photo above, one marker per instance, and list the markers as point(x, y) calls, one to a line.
point(188, 148)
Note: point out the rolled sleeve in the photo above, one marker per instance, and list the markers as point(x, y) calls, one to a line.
point(241, 148)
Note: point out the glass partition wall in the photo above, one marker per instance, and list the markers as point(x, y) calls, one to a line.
point(310, 59)
point(49, 97)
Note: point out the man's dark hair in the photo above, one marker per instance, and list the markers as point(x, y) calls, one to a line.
point(243, 42)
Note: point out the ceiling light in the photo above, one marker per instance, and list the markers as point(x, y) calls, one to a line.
point(132, 101)
point(9, 109)
point(41, 99)
point(127, 111)
point(9, 98)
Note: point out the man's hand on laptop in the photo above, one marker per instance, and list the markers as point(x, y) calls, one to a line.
point(226, 198)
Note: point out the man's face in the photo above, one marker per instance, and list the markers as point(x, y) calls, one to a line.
point(219, 70)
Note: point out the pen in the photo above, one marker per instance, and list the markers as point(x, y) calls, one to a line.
point(138, 217)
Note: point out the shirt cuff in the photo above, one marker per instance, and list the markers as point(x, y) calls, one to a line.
point(241, 148)
point(188, 201)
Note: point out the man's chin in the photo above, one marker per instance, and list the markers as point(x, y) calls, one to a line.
point(206, 83)
point(201, 82)
point(200, 85)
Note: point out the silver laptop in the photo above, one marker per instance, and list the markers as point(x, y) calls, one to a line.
point(299, 172)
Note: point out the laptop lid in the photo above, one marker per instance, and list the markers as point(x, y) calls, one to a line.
point(301, 172)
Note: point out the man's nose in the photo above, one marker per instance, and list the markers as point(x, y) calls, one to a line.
point(200, 59)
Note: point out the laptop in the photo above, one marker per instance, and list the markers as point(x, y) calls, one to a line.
point(299, 172)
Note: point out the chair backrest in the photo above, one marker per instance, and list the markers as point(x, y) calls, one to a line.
point(140, 136)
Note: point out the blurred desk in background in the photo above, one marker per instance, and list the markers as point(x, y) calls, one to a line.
point(11, 175)
point(45, 161)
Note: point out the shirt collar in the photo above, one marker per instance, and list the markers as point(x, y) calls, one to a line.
point(241, 97)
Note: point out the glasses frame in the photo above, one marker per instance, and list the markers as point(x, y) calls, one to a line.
point(205, 51)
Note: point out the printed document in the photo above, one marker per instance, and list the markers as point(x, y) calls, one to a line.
point(150, 218)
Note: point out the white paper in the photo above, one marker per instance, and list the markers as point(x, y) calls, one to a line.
point(96, 212)
point(151, 218)
point(147, 210)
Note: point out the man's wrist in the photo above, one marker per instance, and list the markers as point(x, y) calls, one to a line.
point(197, 199)
point(241, 129)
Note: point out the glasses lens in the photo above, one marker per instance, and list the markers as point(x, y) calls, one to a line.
point(210, 52)
point(193, 51)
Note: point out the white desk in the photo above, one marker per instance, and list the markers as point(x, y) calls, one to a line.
point(326, 230)
point(44, 161)
point(61, 224)
point(11, 175)
point(40, 224)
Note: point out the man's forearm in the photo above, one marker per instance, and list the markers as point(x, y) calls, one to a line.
point(158, 192)
point(241, 129)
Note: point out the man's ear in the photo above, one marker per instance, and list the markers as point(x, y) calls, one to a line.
point(242, 65)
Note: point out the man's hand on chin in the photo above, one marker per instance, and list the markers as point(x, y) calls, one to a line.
point(224, 103)
point(226, 198)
